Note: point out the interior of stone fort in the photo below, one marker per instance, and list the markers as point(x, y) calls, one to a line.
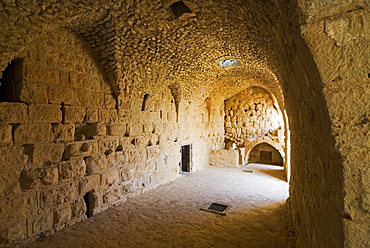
point(103, 100)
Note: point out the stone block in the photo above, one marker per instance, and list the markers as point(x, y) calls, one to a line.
point(35, 178)
point(171, 116)
point(114, 195)
point(110, 179)
point(6, 134)
point(117, 159)
point(73, 114)
point(154, 116)
point(59, 94)
point(13, 112)
point(153, 152)
point(88, 131)
point(40, 223)
point(224, 158)
point(117, 129)
point(125, 143)
point(137, 157)
point(34, 92)
point(50, 76)
point(80, 149)
point(109, 101)
point(54, 196)
point(89, 183)
point(63, 132)
point(148, 128)
point(158, 127)
point(135, 129)
point(47, 153)
point(33, 133)
point(78, 208)
point(74, 168)
point(78, 81)
point(92, 115)
point(90, 98)
point(12, 156)
point(108, 115)
point(25, 205)
point(136, 104)
point(62, 214)
point(108, 145)
point(142, 141)
point(44, 113)
point(96, 164)
point(64, 78)
point(13, 232)
point(9, 180)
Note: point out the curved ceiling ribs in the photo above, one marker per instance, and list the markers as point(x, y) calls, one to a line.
point(142, 47)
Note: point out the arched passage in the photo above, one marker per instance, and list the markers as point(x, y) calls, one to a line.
point(144, 48)
point(264, 153)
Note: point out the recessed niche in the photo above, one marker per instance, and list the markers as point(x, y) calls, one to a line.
point(145, 99)
point(179, 8)
point(11, 81)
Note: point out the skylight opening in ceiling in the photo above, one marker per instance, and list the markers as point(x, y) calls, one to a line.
point(228, 62)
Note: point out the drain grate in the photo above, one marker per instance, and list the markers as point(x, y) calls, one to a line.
point(216, 208)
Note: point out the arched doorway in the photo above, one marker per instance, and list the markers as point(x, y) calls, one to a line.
point(264, 153)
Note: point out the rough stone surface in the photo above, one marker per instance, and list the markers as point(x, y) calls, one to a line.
point(132, 82)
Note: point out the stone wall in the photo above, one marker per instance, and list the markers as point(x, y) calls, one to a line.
point(338, 37)
point(71, 146)
point(252, 117)
point(82, 102)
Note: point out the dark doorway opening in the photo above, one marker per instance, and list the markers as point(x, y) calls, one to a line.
point(186, 158)
point(89, 202)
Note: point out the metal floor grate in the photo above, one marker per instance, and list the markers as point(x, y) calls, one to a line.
point(216, 208)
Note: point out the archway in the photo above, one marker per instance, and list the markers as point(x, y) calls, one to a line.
point(264, 153)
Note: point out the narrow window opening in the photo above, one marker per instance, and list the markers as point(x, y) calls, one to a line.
point(143, 107)
point(11, 81)
point(179, 8)
point(89, 202)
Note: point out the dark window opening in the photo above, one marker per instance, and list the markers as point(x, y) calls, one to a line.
point(179, 8)
point(186, 158)
point(89, 202)
point(143, 107)
point(11, 82)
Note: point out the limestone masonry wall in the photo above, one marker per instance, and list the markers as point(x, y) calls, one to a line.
point(252, 117)
point(69, 150)
point(107, 92)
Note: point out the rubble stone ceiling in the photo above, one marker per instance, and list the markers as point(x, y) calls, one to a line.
point(142, 47)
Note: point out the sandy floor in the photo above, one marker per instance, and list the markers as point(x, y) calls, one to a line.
point(170, 216)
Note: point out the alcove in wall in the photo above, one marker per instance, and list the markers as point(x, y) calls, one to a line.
point(265, 153)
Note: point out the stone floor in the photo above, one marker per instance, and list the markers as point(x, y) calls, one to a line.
point(170, 216)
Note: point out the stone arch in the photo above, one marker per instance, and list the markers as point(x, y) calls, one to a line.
point(250, 145)
point(256, 153)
